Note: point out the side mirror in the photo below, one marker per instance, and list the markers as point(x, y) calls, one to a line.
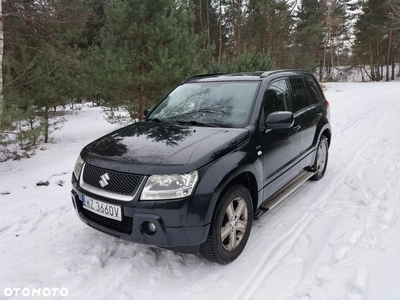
point(146, 112)
point(279, 120)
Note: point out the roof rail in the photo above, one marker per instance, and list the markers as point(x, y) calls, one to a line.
point(267, 73)
point(204, 75)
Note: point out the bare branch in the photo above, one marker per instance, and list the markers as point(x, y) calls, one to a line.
point(23, 73)
point(44, 75)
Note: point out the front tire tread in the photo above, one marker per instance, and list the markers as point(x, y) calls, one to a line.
point(212, 249)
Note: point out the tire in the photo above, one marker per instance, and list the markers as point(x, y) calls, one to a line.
point(227, 239)
point(321, 159)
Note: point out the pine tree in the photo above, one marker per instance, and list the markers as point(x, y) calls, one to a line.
point(206, 23)
point(335, 35)
point(375, 29)
point(267, 29)
point(148, 46)
point(309, 35)
point(40, 55)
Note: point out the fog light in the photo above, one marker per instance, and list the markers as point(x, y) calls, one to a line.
point(151, 227)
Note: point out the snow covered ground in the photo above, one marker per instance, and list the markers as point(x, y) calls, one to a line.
point(338, 238)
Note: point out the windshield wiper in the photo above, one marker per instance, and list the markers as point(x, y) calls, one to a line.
point(157, 120)
point(195, 111)
point(196, 123)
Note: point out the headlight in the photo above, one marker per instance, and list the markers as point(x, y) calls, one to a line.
point(78, 167)
point(163, 187)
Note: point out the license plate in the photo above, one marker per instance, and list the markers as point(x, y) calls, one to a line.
point(101, 208)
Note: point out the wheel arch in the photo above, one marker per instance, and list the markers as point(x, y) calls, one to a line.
point(326, 131)
point(248, 180)
point(239, 176)
point(328, 135)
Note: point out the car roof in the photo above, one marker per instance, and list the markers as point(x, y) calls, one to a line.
point(245, 76)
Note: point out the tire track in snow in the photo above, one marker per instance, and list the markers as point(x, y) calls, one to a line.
point(355, 235)
point(273, 257)
point(340, 178)
point(284, 245)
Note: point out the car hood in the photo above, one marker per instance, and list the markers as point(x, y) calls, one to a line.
point(159, 148)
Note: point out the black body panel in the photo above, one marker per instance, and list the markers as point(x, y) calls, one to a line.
point(156, 148)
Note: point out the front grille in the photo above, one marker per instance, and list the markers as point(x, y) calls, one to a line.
point(120, 183)
point(124, 226)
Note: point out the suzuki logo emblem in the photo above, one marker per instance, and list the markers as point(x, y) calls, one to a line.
point(104, 179)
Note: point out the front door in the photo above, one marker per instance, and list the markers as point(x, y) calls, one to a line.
point(280, 147)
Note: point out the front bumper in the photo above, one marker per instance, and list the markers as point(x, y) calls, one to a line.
point(181, 224)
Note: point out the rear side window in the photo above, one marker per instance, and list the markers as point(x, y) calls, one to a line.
point(299, 94)
point(311, 94)
point(277, 97)
point(313, 90)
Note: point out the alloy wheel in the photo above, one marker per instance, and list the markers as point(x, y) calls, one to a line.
point(321, 158)
point(234, 224)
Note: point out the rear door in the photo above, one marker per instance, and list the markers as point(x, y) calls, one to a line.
point(315, 113)
point(307, 109)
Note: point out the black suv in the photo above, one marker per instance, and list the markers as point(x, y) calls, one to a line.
point(214, 154)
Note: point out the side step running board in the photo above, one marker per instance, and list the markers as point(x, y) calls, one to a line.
point(284, 192)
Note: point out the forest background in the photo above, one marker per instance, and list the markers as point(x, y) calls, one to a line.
point(124, 55)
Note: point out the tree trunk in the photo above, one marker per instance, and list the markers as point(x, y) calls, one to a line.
point(142, 69)
point(393, 56)
point(200, 16)
point(388, 56)
point(31, 120)
point(366, 72)
point(393, 66)
point(320, 72)
point(371, 62)
point(378, 75)
point(208, 25)
point(201, 23)
point(332, 61)
point(324, 61)
point(238, 27)
point(1, 62)
point(46, 124)
point(362, 74)
point(220, 30)
point(337, 55)
point(142, 100)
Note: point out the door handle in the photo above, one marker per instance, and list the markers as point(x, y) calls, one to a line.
point(319, 115)
point(296, 128)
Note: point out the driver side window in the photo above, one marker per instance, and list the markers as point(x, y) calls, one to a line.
point(277, 97)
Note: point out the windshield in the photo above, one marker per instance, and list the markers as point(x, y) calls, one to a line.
point(208, 103)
